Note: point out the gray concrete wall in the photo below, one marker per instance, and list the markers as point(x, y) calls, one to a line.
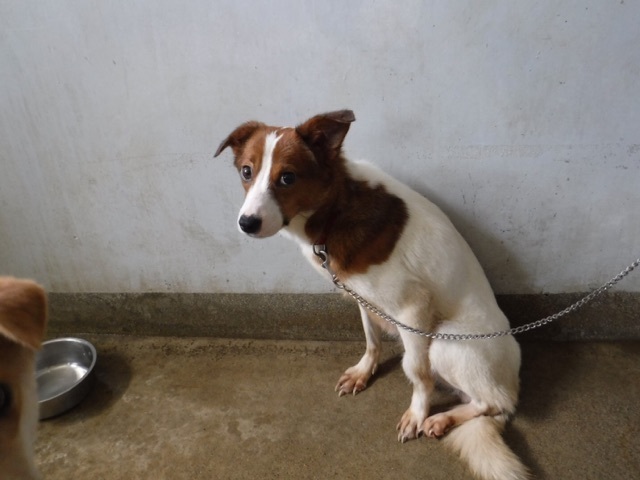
point(521, 119)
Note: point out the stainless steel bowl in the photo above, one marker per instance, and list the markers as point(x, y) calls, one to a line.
point(64, 373)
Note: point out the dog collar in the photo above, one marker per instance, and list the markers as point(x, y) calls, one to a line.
point(320, 244)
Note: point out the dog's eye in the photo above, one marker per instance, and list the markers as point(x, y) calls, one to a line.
point(246, 172)
point(5, 399)
point(287, 179)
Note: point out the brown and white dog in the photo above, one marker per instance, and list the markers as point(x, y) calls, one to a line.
point(23, 318)
point(399, 251)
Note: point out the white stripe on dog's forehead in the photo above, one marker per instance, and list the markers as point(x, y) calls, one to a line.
point(259, 200)
point(262, 182)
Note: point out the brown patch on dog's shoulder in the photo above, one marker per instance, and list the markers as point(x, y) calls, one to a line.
point(363, 228)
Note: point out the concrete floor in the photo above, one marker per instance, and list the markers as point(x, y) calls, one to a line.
point(167, 408)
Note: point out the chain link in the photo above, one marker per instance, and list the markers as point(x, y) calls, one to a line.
point(320, 251)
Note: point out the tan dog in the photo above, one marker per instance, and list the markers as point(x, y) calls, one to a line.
point(23, 318)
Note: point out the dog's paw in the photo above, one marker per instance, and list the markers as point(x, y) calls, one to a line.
point(408, 426)
point(353, 381)
point(437, 425)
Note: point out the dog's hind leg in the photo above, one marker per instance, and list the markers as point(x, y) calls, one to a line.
point(355, 378)
point(439, 424)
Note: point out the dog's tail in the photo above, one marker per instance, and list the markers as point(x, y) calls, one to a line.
point(479, 442)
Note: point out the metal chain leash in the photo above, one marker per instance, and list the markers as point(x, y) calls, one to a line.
point(320, 251)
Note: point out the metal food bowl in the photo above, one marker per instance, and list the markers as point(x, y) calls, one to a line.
point(64, 373)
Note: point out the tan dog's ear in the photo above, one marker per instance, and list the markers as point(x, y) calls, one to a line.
point(23, 311)
point(327, 130)
point(238, 137)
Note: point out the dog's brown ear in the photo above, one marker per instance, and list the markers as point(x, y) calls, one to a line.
point(23, 311)
point(238, 137)
point(327, 130)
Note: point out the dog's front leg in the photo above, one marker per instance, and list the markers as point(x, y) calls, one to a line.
point(417, 368)
point(355, 378)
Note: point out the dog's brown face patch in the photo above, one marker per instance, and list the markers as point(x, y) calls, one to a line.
point(297, 180)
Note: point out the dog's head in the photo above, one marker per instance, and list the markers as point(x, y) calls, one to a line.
point(286, 171)
point(23, 318)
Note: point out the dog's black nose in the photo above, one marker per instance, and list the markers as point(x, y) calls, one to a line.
point(250, 224)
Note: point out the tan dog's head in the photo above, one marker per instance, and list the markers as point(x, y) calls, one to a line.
point(23, 318)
